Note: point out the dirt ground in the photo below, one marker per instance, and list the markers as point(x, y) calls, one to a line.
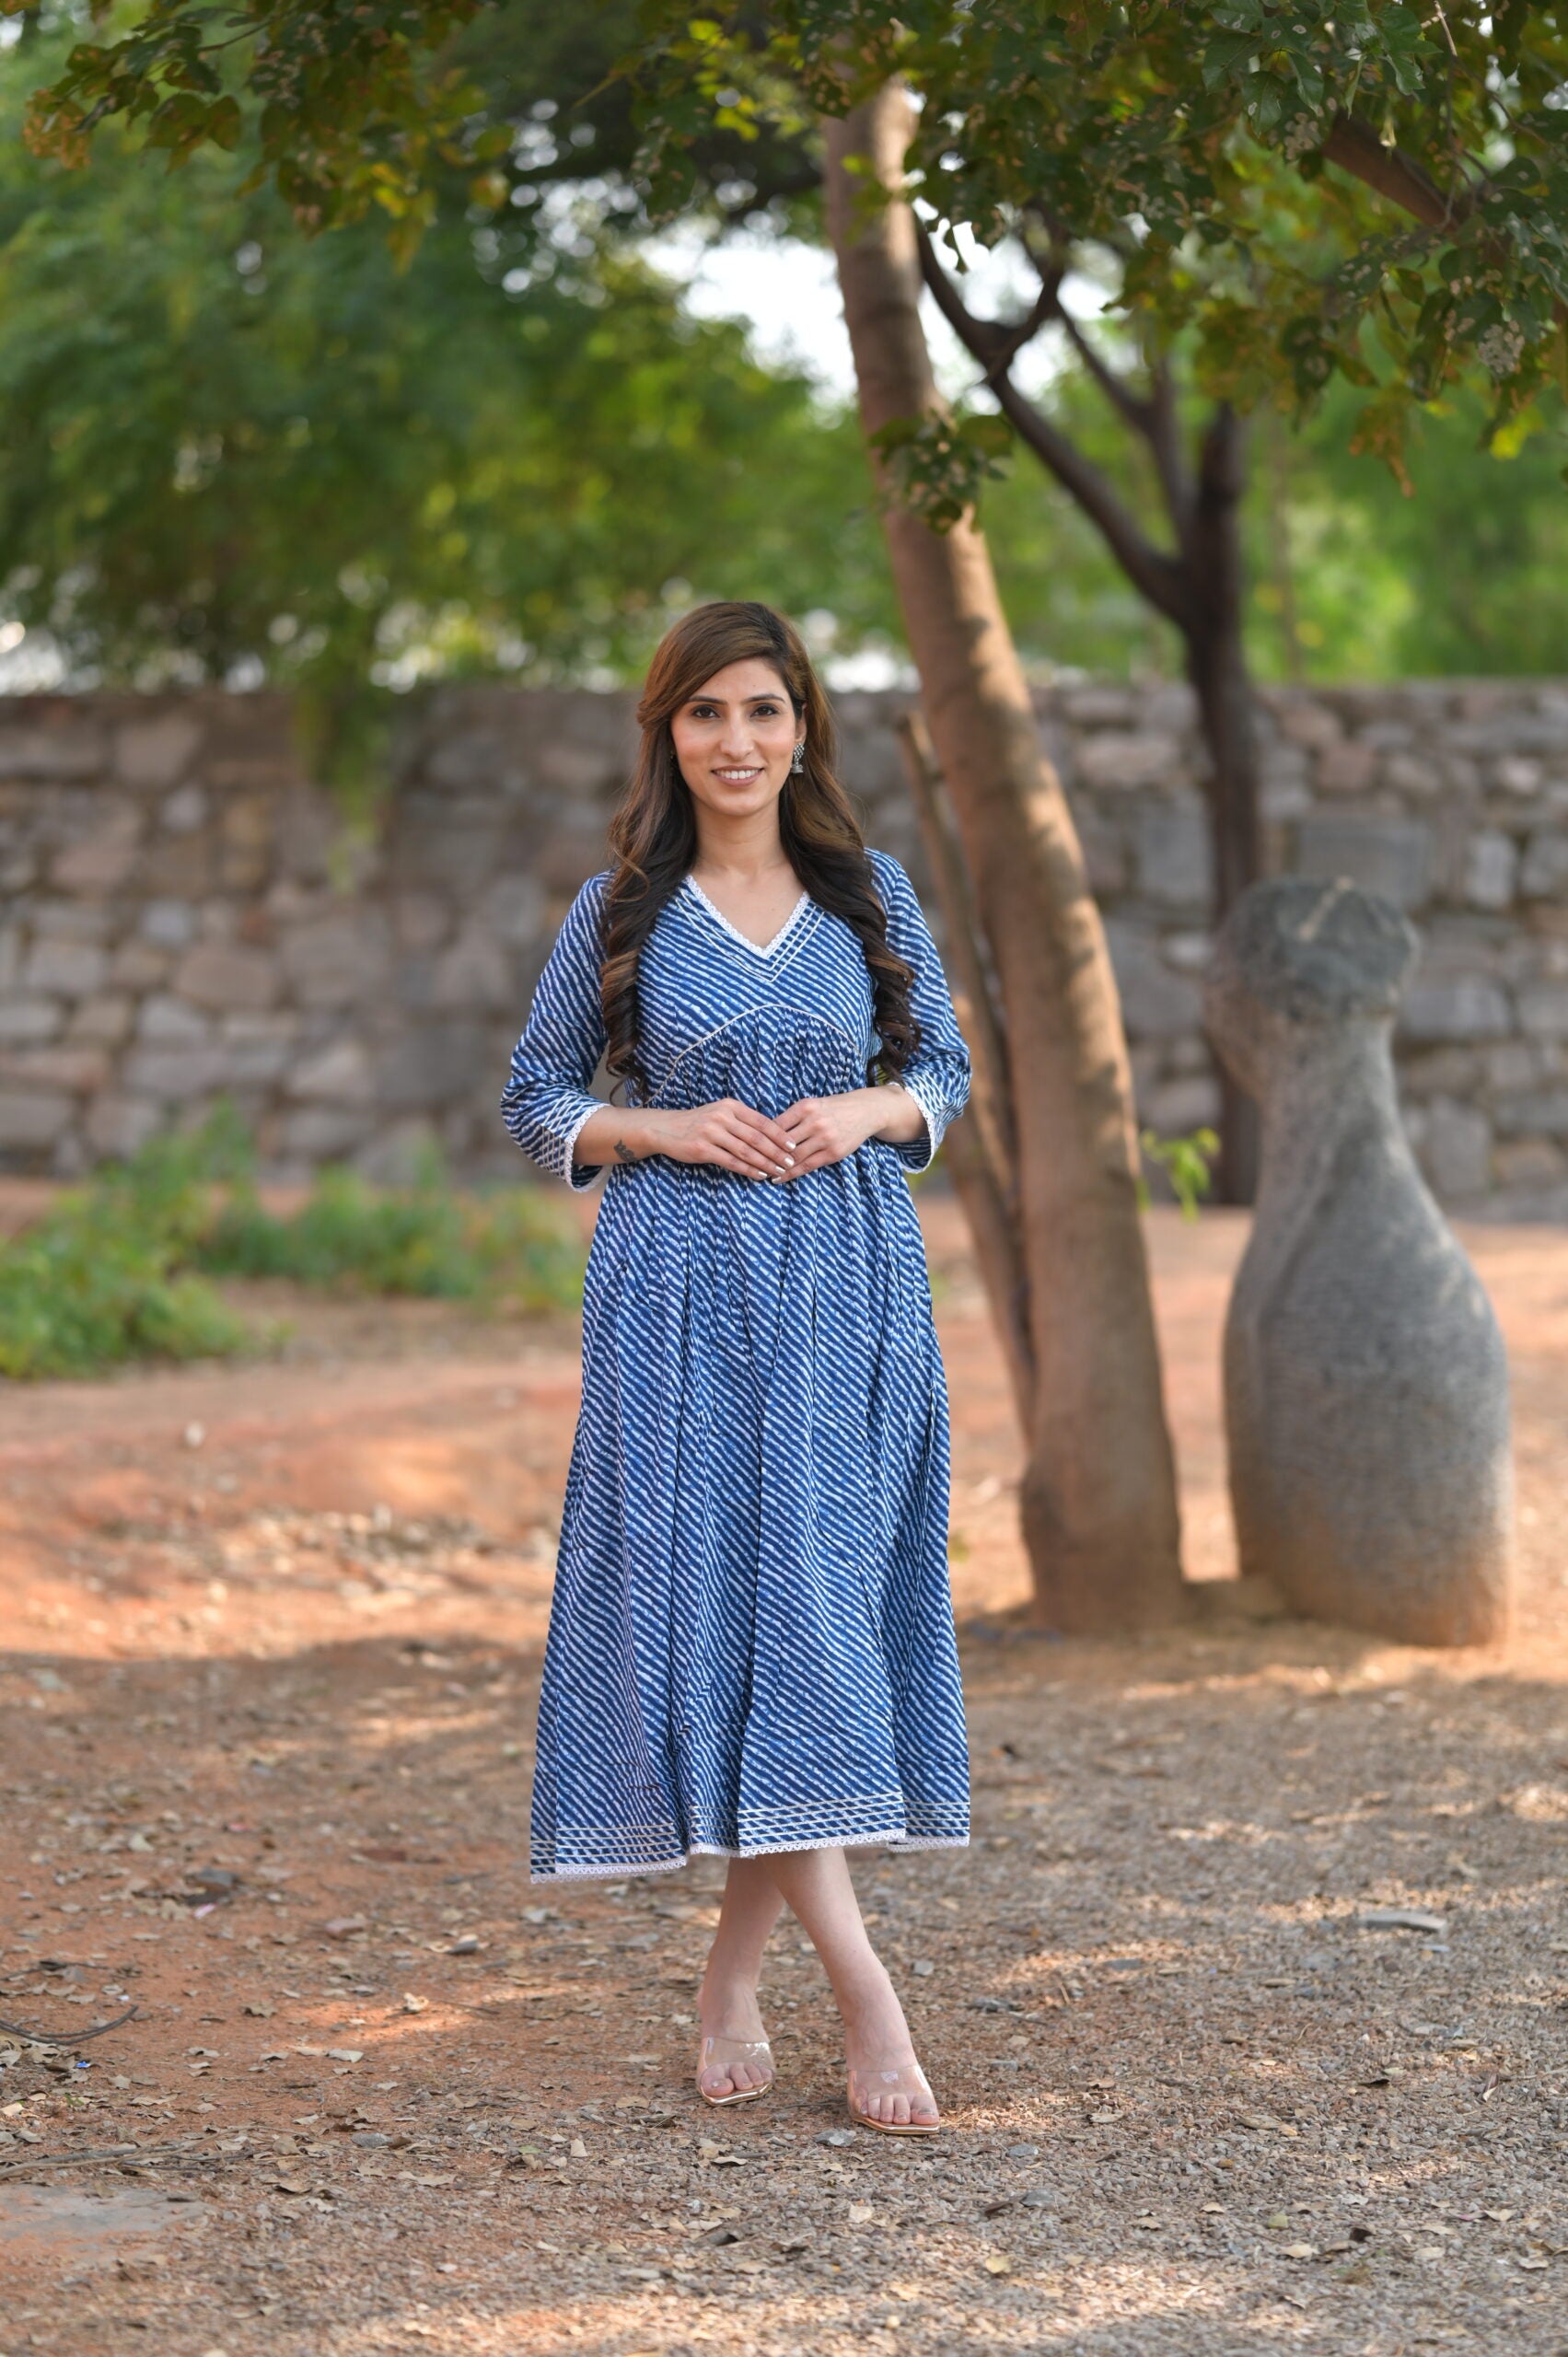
point(273, 1641)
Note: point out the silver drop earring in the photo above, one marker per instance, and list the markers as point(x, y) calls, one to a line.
point(797, 758)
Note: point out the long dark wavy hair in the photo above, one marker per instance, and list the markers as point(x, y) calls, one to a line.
point(654, 831)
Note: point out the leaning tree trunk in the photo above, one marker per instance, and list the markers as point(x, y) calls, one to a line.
point(1216, 667)
point(1099, 1509)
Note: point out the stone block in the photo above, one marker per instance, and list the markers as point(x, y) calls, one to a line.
point(339, 959)
point(224, 975)
point(1187, 953)
point(278, 1023)
point(1515, 775)
point(1156, 1002)
point(116, 1125)
point(169, 1020)
point(1513, 1064)
point(1105, 852)
point(1390, 856)
point(180, 866)
point(1541, 1112)
point(1440, 1071)
point(1348, 767)
point(1174, 857)
point(474, 973)
point(1176, 1107)
point(1544, 875)
point(396, 1155)
point(23, 1019)
point(155, 751)
point(172, 1075)
point(1100, 707)
point(30, 1117)
point(184, 810)
point(102, 861)
point(512, 907)
point(74, 969)
point(1311, 725)
point(338, 1073)
point(1457, 1007)
point(320, 1133)
point(245, 844)
point(53, 920)
point(1456, 1153)
point(104, 1021)
point(55, 1067)
point(1123, 760)
point(1491, 869)
point(58, 745)
point(169, 924)
point(1412, 775)
point(256, 1063)
point(1529, 1162)
point(137, 966)
point(428, 1064)
point(1543, 1009)
point(422, 920)
point(568, 856)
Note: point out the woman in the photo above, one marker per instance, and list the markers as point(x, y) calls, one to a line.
point(751, 1650)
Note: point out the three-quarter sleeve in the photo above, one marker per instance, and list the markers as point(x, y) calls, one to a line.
point(547, 1099)
point(937, 1074)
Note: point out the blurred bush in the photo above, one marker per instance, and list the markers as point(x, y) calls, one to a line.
point(121, 1268)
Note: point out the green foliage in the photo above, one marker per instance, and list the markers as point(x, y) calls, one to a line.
point(105, 1276)
point(938, 464)
point(117, 1270)
point(1469, 576)
point(227, 449)
point(1295, 184)
point(1187, 1162)
point(506, 1251)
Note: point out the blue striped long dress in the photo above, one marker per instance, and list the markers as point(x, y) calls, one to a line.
point(751, 1644)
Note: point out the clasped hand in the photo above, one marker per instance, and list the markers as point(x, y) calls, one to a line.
point(807, 1136)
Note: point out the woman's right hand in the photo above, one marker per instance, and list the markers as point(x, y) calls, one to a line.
point(727, 1132)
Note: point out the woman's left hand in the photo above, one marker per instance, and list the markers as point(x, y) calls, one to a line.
point(825, 1128)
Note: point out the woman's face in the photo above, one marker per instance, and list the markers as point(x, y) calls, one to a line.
point(736, 737)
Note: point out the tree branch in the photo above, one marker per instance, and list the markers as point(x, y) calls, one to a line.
point(1357, 148)
point(1153, 574)
point(994, 346)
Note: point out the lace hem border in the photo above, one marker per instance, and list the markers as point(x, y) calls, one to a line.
point(884, 1841)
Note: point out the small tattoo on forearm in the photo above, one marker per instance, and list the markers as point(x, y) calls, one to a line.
point(623, 1152)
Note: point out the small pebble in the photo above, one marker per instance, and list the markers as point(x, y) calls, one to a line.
point(1023, 2152)
point(837, 2137)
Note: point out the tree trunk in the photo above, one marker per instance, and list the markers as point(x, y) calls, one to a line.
point(1099, 1510)
point(1217, 666)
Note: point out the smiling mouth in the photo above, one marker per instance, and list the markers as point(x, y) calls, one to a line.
point(739, 777)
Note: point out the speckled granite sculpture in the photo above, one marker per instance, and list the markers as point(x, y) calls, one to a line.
point(1366, 1387)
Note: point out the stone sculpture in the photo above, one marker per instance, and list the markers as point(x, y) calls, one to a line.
point(1366, 1385)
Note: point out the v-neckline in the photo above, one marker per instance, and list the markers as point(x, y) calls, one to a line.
point(758, 948)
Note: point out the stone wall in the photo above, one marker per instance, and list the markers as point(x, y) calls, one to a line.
point(185, 915)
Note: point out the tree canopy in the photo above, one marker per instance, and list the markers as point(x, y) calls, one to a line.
point(1331, 187)
point(224, 445)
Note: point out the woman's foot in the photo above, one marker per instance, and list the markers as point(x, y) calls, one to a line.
point(887, 2086)
point(895, 2097)
point(734, 2062)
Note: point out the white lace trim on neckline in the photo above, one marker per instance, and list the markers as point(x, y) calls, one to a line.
point(758, 948)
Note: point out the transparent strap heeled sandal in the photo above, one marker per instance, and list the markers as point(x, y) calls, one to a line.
point(906, 2079)
point(718, 2057)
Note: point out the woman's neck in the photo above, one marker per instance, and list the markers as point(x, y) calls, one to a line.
point(742, 854)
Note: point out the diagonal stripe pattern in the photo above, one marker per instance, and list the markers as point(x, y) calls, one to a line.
point(751, 1644)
